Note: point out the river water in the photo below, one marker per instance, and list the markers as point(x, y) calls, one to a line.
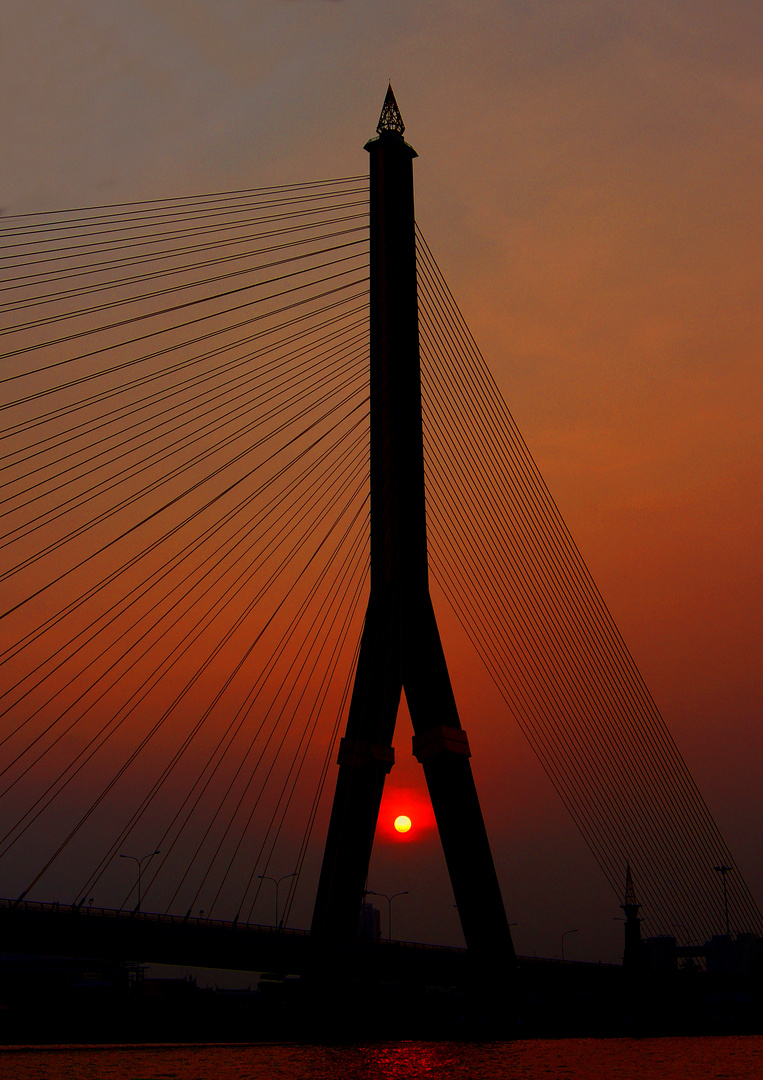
point(711, 1058)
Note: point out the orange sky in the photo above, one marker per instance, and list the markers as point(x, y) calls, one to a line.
point(589, 181)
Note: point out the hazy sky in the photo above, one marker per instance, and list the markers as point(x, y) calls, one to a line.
point(589, 180)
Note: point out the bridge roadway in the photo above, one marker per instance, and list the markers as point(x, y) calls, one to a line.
point(43, 929)
point(30, 927)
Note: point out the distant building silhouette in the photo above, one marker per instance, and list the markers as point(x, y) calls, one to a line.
point(369, 923)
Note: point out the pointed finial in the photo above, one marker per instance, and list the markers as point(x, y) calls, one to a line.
point(390, 119)
point(630, 891)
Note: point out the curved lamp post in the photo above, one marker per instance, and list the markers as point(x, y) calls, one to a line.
point(276, 882)
point(723, 871)
point(389, 899)
point(139, 863)
point(564, 935)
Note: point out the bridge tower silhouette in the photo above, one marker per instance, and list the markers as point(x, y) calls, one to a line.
point(400, 646)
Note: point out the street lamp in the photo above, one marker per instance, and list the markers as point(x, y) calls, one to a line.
point(723, 871)
point(564, 935)
point(389, 899)
point(276, 882)
point(139, 863)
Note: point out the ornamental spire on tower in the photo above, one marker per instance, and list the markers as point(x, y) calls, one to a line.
point(632, 954)
point(630, 891)
point(390, 119)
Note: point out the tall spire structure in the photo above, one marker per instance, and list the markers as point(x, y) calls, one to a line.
point(401, 647)
point(631, 908)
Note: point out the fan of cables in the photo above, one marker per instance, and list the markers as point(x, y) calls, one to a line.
point(183, 520)
point(506, 563)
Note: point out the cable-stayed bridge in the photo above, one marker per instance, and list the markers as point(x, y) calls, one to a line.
point(188, 416)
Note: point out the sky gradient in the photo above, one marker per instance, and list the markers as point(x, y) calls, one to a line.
point(589, 181)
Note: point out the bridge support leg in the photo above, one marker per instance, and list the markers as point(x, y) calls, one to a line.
point(441, 746)
point(365, 758)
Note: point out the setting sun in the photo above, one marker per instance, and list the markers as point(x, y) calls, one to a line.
point(402, 823)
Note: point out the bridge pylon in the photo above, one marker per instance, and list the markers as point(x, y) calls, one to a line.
point(400, 646)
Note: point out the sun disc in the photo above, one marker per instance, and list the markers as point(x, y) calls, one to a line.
point(402, 823)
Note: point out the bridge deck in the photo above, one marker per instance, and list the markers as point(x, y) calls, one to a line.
point(63, 929)
point(94, 932)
